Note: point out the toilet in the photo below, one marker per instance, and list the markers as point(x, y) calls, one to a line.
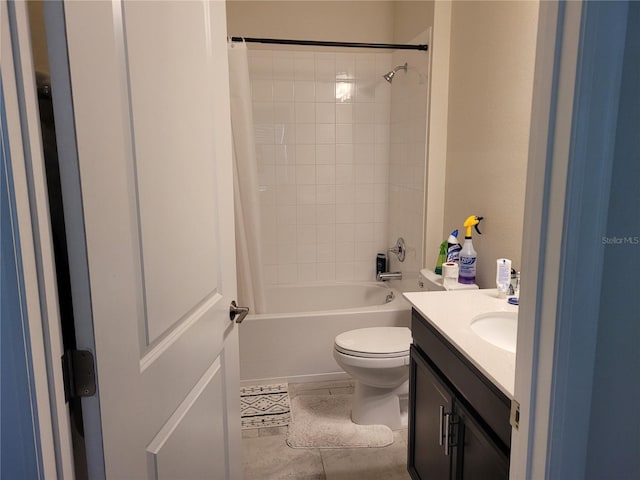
point(378, 359)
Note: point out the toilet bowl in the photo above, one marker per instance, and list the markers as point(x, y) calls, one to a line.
point(378, 360)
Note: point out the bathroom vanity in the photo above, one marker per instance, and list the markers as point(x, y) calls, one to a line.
point(461, 387)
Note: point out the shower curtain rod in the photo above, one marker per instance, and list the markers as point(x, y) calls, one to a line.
point(330, 44)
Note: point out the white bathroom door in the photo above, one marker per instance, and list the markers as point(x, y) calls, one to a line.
point(150, 106)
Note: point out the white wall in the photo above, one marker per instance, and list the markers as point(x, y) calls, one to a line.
point(38, 38)
point(490, 92)
point(411, 19)
point(345, 21)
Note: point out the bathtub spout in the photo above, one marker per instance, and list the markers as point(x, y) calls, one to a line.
point(383, 277)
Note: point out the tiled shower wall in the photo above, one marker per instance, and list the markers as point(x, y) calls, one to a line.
point(322, 125)
point(407, 164)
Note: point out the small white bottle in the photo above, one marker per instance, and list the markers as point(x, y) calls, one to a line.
point(503, 276)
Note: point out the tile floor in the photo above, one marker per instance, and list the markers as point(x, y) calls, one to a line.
point(266, 455)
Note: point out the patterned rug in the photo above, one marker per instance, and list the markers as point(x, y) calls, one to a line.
point(265, 406)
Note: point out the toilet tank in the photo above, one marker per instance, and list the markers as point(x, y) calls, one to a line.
point(429, 281)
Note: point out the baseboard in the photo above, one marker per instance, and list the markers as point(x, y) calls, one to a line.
point(318, 377)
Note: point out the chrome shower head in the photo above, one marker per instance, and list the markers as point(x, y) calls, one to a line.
point(389, 75)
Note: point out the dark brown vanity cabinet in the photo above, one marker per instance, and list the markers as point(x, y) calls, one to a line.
point(458, 420)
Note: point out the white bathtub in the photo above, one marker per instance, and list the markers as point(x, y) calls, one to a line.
point(294, 342)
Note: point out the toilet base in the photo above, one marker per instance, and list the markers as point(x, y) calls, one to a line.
point(380, 406)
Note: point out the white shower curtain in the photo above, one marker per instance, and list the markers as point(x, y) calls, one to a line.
point(245, 179)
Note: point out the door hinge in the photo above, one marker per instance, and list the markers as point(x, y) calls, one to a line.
point(514, 418)
point(79, 374)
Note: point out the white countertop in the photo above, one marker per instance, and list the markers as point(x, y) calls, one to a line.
point(451, 314)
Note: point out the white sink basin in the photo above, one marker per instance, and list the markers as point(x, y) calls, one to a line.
point(498, 328)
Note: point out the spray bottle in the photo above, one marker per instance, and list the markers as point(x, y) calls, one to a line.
point(468, 255)
point(442, 258)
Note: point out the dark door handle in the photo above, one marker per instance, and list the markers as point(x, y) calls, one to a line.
point(240, 312)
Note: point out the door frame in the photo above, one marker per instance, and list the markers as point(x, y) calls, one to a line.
point(45, 347)
point(54, 16)
point(579, 61)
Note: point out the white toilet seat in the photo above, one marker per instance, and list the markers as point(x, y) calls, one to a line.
point(375, 342)
point(352, 353)
point(371, 362)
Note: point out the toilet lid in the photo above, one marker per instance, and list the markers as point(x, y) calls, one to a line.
point(375, 342)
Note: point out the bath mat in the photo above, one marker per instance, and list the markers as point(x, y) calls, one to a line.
point(324, 421)
point(265, 406)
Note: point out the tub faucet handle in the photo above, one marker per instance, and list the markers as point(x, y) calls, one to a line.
point(399, 249)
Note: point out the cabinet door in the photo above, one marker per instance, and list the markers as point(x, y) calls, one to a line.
point(478, 456)
point(429, 402)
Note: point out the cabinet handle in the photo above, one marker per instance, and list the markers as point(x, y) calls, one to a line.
point(441, 422)
point(446, 434)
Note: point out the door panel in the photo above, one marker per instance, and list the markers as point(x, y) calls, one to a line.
point(190, 434)
point(151, 117)
point(479, 456)
point(172, 145)
point(429, 396)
